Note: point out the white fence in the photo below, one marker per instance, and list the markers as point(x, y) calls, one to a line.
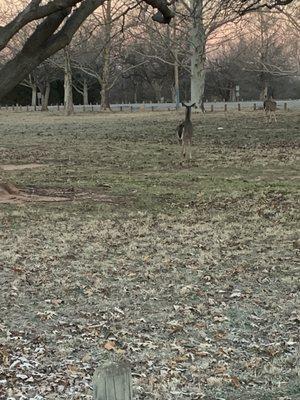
point(209, 106)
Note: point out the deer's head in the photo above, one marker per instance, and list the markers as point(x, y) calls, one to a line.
point(188, 106)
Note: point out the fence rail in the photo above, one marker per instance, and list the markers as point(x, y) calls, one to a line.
point(209, 106)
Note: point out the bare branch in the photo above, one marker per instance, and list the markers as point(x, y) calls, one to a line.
point(34, 11)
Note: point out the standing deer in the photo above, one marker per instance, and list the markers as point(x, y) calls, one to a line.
point(185, 131)
point(270, 107)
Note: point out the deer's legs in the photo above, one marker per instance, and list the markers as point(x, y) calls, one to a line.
point(183, 150)
point(190, 151)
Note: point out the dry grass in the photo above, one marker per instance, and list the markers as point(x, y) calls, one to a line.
point(192, 276)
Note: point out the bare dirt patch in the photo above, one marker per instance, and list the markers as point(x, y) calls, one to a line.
point(10, 194)
point(19, 167)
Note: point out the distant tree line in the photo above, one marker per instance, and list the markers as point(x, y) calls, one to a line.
point(212, 50)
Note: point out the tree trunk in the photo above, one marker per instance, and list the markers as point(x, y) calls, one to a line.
point(232, 93)
point(33, 95)
point(176, 65)
point(157, 90)
point(264, 91)
point(264, 54)
point(45, 96)
point(68, 86)
point(106, 58)
point(198, 43)
point(135, 100)
point(176, 82)
point(104, 98)
point(85, 92)
point(113, 382)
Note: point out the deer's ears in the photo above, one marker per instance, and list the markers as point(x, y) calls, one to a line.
point(193, 105)
point(184, 105)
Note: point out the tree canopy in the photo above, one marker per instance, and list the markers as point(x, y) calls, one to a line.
point(58, 20)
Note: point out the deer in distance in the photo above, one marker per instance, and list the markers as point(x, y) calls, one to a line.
point(185, 132)
point(270, 107)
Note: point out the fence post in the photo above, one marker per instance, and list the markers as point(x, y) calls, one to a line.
point(113, 381)
point(285, 106)
point(212, 108)
point(225, 107)
point(254, 106)
point(239, 106)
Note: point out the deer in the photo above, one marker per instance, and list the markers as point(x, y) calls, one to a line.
point(185, 131)
point(270, 107)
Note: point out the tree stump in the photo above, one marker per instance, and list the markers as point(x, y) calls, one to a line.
point(113, 382)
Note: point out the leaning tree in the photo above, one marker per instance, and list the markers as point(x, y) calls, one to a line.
point(59, 20)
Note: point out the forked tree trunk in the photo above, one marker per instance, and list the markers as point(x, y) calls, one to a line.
point(45, 96)
point(85, 92)
point(198, 57)
point(68, 95)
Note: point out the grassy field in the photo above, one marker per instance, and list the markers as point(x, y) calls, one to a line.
point(188, 272)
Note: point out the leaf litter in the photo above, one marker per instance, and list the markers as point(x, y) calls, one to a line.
point(203, 303)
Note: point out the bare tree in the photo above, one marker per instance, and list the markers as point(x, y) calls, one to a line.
point(81, 85)
point(261, 58)
point(30, 82)
point(208, 17)
point(58, 21)
point(52, 34)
